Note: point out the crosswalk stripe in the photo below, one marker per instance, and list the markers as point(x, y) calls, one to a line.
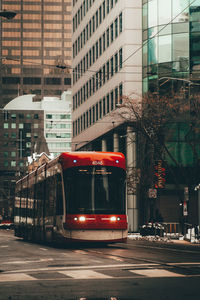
point(156, 273)
point(85, 274)
point(16, 277)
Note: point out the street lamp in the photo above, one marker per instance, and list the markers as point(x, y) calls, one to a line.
point(197, 189)
point(8, 14)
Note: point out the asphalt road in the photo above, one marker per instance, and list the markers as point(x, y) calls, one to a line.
point(138, 270)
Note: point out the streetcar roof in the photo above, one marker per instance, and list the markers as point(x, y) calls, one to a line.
point(82, 158)
point(73, 159)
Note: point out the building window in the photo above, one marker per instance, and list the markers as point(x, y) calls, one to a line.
point(93, 24)
point(13, 116)
point(108, 103)
point(90, 57)
point(104, 106)
point(32, 80)
point(5, 163)
point(28, 145)
point(97, 112)
point(104, 9)
point(120, 58)
point(97, 19)
point(100, 109)
point(10, 80)
point(53, 81)
point(93, 114)
point(108, 69)
point(67, 81)
point(93, 54)
point(13, 125)
point(97, 81)
point(13, 135)
point(120, 93)
point(5, 125)
point(104, 74)
point(104, 42)
point(116, 62)
point(100, 46)
point(111, 67)
point(116, 96)
point(100, 15)
point(108, 37)
point(107, 6)
point(111, 100)
point(111, 33)
point(116, 27)
point(13, 154)
point(21, 125)
point(120, 23)
point(90, 116)
point(5, 154)
point(21, 116)
point(13, 163)
point(97, 50)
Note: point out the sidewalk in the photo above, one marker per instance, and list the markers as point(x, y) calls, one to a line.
point(174, 239)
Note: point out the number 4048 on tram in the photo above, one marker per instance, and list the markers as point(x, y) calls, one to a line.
point(76, 197)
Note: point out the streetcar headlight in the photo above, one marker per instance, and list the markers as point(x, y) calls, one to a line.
point(82, 219)
point(75, 219)
point(113, 219)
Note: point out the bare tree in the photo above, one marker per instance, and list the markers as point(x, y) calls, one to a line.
point(155, 118)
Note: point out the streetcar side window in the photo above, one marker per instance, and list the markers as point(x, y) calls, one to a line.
point(59, 196)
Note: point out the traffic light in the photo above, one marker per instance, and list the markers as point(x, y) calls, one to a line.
point(159, 175)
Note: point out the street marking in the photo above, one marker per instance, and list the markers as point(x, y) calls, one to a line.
point(6, 246)
point(118, 266)
point(16, 277)
point(156, 273)
point(115, 258)
point(85, 274)
point(111, 298)
point(81, 252)
point(26, 261)
point(184, 263)
point(43, 249)
point(159, 248)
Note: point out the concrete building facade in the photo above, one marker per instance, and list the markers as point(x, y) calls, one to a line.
point(129, 49)
point(30, 127)
point(105, 35)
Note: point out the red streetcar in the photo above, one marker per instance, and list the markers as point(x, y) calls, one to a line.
point(79, 196)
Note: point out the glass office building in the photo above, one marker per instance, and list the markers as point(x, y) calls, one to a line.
point(171, 66)
point(34, 45)
point(171, 35)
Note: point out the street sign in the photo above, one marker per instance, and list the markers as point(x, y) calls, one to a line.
point(152, 193)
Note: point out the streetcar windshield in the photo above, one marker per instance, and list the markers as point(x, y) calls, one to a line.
point(95, 189)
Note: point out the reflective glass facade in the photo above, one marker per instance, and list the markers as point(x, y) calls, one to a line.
point(32, 44)
point(171, 64)
point(171, 35)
